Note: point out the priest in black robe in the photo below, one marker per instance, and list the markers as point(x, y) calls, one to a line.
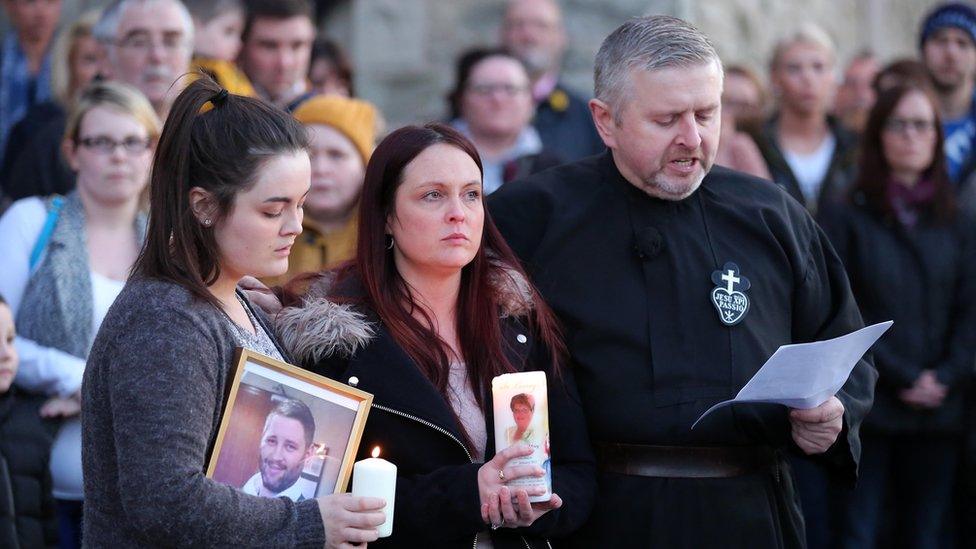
point(675, 281)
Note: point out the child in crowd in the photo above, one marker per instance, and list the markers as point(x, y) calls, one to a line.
point(217, 28)
point(25, 447)
point(342, 134)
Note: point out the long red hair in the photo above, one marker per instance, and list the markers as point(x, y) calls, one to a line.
point(382, 289)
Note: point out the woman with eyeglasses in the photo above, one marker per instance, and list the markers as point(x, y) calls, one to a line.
point(910, 258)
point(491, 104)
point(65, 260)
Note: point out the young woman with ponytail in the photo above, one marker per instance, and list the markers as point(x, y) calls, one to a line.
point(228, 183)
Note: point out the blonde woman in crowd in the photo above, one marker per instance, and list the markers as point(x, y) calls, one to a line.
point(66, 258)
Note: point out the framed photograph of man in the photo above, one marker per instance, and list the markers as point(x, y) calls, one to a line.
point(287, 432)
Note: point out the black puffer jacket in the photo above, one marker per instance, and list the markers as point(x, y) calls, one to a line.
point(923, 278)
point(27, 517)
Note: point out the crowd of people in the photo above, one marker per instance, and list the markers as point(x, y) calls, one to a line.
point(182, 178)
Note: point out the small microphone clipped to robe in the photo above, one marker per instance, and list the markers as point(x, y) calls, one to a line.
point(648, 243)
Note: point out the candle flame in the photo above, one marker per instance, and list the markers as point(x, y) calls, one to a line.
point(376, 452)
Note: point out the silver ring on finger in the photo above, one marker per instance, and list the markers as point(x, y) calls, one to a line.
point(501, 475)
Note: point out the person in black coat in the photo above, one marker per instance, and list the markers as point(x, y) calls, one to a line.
point(27, 516)
point(33, 164)
point(912, 259)
point(434, 308)
point(808, 152)
point(534, 31)
point(634, 250)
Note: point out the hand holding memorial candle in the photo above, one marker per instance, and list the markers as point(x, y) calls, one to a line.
point(376, 477)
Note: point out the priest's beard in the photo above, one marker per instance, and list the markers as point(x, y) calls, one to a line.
point(666, 187)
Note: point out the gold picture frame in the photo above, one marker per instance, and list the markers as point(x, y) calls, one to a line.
point(271, 409)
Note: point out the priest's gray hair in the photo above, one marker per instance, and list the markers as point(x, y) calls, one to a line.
point(649, 43)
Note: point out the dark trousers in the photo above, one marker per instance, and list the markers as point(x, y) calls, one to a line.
point(820, 498)
point(69, 523)
point(919, 472)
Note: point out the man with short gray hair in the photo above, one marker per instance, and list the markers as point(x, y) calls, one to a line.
point(675, 280)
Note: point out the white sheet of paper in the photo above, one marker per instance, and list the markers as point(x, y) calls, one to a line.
point(805, 375)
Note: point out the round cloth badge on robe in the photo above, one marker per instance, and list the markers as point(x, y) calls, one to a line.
point(728, 297)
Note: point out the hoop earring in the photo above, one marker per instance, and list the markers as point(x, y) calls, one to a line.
point(389, 245)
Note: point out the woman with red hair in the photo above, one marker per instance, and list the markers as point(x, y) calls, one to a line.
point(435, 306)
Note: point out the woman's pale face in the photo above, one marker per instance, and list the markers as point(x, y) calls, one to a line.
point(804, 77)
point(438, 215)
point(85, 61)
point(337, 173)
point(220, 38)
point(325, 79)
point(256, 235)
point(497, 101)
point(908, 138)
point(522, 415)
point(740, 97)
point(111, 156)
point(8, 354)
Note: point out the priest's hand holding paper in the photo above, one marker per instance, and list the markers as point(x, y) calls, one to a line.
point(815, 429)
point(502, 506)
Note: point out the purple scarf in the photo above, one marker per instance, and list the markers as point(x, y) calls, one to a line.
point(906, 202)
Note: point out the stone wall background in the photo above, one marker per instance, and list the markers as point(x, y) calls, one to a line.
point(404, 50)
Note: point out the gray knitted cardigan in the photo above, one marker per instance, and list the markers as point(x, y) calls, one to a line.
point(56, 309)
point(152, 396)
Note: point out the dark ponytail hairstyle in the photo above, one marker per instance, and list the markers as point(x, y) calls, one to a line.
point(219, 142)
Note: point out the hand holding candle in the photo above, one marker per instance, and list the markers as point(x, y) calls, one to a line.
point(376, 477)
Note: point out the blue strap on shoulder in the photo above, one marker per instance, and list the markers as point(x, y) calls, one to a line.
point(47, 231)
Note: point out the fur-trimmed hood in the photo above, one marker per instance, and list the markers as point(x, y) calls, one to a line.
point(320, 328)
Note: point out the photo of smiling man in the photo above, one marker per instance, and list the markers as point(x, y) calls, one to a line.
point(286, 446)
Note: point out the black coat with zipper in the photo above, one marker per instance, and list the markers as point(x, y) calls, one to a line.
point(437, 499)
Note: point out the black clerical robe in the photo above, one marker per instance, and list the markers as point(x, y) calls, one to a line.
point(631, 279)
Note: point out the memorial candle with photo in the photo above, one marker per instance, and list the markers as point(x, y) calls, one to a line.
point(521, 411)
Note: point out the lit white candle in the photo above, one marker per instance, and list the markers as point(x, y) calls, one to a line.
point(376, 477)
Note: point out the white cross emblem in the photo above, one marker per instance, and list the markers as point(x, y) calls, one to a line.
point(730, 277)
